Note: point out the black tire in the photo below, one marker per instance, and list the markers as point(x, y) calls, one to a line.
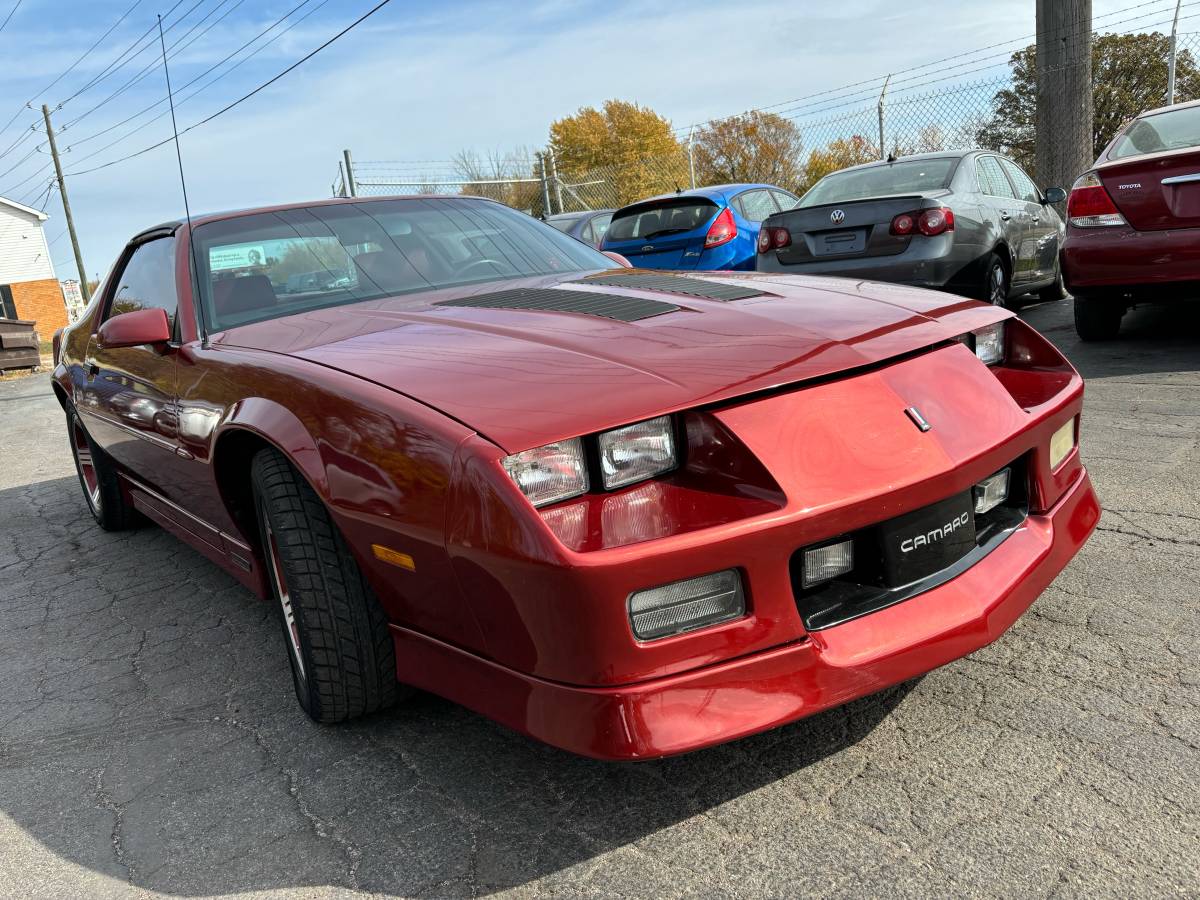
point(336, 634)
point(1098, 318)
point(98, 478)
point(995, 282)
point(1052, 293)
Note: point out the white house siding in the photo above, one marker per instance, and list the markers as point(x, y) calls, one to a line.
point(24, 255)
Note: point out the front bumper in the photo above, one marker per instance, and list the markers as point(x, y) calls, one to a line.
point(763, 690)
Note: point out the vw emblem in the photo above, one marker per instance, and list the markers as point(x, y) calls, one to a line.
point(837, 217)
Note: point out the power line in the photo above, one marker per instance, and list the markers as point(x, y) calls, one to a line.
point(153, 64)
point(247, 96)
point(969, 53)
point(208, 71)
point(11, 13)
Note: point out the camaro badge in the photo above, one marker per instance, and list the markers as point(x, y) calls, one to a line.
point(917, 419)
point(837, 217)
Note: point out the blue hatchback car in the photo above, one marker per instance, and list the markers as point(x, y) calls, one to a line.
point(706, 228)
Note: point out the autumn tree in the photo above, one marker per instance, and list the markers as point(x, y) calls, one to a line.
point(840, 154)
point(754, 147)
point(631, 147)
point(507, 177)
point(1129, 75)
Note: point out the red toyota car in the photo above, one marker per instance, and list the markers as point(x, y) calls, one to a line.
point(1133, 222)
point(628, 513)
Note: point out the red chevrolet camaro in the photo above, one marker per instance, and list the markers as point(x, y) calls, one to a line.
point(628, 513)
point(1133, 222)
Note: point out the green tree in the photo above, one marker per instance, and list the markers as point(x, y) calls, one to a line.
point(756, 146)
point(631, 147)
point(1129, 75)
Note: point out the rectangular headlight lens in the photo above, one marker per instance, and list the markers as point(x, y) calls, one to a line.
point(687, 605)
point(551, 473)
point(989, 344)
point(1061, 444)
point(637, 452)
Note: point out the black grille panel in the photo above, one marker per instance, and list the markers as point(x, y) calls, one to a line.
point(675, 284)
point(588, 303)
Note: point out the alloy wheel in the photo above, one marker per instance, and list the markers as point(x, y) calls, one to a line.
point(997, 289)
point(82, 451)
point(285, 598)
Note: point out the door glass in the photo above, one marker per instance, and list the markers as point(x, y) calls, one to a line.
point(585, 234)
point(991, 178)
point(148, 281)
point(600, 227)
point(757, 205)
point(1026, 189)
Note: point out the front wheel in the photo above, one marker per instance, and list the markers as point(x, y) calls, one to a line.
point(994, 289)
point(337, 637)
point(1098, 318)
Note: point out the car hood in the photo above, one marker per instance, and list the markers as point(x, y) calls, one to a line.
point(523, 378)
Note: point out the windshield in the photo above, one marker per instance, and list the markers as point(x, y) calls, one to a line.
point(268, 265)
point(673, 215)
point(1175, 129)
point(912, 176)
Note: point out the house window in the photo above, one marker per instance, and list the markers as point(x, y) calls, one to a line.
point(8, 309)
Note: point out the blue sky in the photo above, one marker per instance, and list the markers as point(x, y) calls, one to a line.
point(422, 81)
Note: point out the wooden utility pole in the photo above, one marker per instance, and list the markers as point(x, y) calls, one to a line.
point(1064, 91)
point(62, 190)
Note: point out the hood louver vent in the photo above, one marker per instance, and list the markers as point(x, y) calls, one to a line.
point(588, 303)
point(674, 284)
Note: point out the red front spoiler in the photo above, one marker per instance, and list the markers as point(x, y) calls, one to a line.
point(763, 690)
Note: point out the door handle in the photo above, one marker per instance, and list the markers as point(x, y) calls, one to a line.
point(1037, 219)
point(93, 369)
point(1004, 216)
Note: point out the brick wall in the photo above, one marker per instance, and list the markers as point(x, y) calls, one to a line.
point(43, 302)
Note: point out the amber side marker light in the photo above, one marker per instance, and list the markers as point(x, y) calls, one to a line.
point(395, 557)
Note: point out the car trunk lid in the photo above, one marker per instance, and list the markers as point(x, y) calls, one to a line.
point(857, 228)
point(1156, 192)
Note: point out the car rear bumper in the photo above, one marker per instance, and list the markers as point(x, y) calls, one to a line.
point(1121, 258)
point(720, 702)
point(928, 263)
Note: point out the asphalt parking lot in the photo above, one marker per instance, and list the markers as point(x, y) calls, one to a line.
point(150, 742)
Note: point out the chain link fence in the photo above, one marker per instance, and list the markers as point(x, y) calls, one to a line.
point(916, 113)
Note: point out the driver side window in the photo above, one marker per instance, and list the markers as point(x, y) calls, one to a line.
point(147, 281)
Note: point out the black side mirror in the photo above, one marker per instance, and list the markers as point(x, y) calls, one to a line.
point(1055, 195)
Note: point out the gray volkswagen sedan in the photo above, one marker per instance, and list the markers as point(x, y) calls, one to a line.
point(969, 221)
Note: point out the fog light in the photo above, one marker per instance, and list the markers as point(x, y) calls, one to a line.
point(1061, 444)
point(830, 561)
point(687, 605)
point(991, 492)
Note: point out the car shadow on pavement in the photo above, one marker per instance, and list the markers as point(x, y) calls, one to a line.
point(1153, 339)
point(149, 734)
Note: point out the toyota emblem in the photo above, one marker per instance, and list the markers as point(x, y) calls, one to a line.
point(837, 217)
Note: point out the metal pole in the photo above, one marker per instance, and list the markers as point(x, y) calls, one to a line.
point(557, 183)
point(691, 159)
point(351, 187)
point(62, 190)
point(882, 97)
point(1171, 61)
point(342, 190)
point(545, 185)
